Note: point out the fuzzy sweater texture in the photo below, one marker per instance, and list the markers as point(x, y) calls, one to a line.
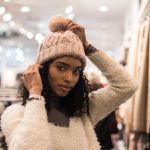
point(27, 127)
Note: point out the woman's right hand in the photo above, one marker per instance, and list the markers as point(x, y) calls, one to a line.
point(32, 79)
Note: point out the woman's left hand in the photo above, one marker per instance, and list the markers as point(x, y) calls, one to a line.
point(79, 31)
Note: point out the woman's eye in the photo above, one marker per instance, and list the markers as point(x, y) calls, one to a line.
point(77, 71)
point(61, 68)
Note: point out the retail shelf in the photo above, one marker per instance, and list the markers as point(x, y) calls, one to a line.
point(8, 94)
point(145, 10)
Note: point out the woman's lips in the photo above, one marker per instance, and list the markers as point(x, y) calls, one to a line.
point(65, 88)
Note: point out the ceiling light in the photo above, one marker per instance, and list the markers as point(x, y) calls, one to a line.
point(19, 52)
point(22, 30)
point(12, 23)
point(103, 8)
point(7, 17)
point(2, 10)
point(71, 16)
point(69, 9)
point(25, 9)
point(30, 35)
point(39, 37)
point(7, 0)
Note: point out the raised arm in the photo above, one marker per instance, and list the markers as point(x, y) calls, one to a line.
point(26, 127)
point(121, 86)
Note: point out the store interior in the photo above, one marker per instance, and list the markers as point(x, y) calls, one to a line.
point(120, 28)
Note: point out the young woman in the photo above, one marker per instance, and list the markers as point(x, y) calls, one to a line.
point(58, 112)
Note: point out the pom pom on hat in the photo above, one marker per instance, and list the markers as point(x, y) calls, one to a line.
point(60, 43)
point(58, 23)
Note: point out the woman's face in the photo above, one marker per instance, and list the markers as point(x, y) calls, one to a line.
point(63, 75)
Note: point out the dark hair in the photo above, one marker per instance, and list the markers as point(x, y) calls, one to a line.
point(76, 103)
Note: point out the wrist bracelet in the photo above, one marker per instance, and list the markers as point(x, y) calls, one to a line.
point(90, 50)
point(36, 96)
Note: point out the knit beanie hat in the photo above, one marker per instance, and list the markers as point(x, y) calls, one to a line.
point(60, 42)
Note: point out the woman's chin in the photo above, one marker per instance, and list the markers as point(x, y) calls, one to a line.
point(62, 94)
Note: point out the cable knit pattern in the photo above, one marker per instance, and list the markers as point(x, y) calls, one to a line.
point(27, 128)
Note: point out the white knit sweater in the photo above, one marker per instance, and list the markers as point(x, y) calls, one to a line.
point(27, 128)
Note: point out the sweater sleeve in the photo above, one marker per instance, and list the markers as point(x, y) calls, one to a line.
point(26, 128)
point(121, 87)
point(10, 119)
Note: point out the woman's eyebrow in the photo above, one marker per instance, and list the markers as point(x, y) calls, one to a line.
point(62, 63)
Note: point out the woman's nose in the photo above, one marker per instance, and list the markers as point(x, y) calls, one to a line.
point(69, 77)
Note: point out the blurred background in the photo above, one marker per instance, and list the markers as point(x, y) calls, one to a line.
point(24, 24)
point(119, 27)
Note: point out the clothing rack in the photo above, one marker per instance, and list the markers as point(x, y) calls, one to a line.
point(145, 10)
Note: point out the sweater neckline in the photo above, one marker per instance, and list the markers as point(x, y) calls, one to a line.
point(62, 127)
point(71, 121)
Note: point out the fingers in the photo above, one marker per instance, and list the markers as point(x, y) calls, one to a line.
point(29, 69)
point(36, 67)
point(73, 29)
point(70, 24)
point(32, 68)
point(76, 28)
point(31, 78)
